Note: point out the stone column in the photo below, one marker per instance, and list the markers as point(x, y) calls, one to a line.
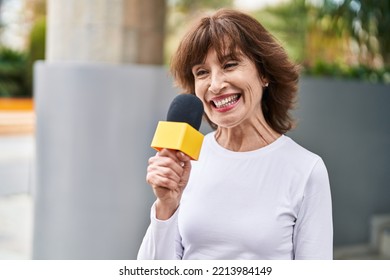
point(96, 112)
point(114, 31)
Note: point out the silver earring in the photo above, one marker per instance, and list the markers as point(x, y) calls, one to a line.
point(266, 84)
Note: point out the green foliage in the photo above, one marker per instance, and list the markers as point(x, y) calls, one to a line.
point(190, 6)
point(366, 21)
point(16, 67)
point(12, 73)
point(36, 49)
point(288, 22)
point(360, 72)
point(312, 29)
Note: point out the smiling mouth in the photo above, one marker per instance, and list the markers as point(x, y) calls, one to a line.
point(226, 102)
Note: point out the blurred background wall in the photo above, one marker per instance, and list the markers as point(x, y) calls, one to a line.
point(346, 123)
point(101, 85)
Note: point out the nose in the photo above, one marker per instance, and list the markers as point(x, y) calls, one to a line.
point(217, 82)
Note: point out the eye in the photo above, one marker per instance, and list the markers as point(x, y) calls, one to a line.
point(230, 64)
point(200, 72)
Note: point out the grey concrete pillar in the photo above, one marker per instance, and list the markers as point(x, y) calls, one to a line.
point(115, 31)
point(96, 115)
point(94, 127)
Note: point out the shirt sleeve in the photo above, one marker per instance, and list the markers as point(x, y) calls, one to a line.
point(162, 239)
point(313, 231)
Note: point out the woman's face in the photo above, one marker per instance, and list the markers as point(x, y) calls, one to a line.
point(230, 90)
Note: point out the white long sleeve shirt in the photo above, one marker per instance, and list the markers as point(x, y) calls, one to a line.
point(271, 203)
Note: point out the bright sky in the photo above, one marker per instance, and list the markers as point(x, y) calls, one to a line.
point(14, 34)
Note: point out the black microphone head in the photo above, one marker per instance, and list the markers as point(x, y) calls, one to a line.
point(186, 108)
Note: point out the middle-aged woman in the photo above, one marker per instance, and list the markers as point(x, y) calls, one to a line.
point(254, 193)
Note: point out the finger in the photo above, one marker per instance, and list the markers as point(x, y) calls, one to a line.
point(156, 181)
point(164, 172)
point(169, 153)
point(168, 162)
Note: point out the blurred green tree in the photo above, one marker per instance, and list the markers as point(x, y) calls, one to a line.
point(288, 21)
point(16, 66)
point(343, 38)
point(190, 6)
point(12, 73)
point(367, 22)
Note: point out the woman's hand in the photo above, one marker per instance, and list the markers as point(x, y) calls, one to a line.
point(168, 173)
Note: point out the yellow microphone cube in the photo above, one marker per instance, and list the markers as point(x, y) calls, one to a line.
point(178, 136)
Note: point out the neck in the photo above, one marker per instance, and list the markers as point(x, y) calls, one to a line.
point(248, 137)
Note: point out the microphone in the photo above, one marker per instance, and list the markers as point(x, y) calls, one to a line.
point(180, 131)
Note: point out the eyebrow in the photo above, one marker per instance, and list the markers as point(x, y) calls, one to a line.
point(229, 56)
point(226, 57)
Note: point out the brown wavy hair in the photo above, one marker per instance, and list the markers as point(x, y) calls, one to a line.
point(237, 32)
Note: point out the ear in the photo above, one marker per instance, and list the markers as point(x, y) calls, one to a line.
point(264, 82)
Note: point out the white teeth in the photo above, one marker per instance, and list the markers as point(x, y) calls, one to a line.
point(226, 101)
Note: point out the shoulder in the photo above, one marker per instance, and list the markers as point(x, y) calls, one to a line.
point(293, 150)
point(296, 148)
point(298, 157)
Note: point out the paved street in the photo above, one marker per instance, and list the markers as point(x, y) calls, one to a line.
point(17, 146)
point(15, 227)
point(16, 163)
